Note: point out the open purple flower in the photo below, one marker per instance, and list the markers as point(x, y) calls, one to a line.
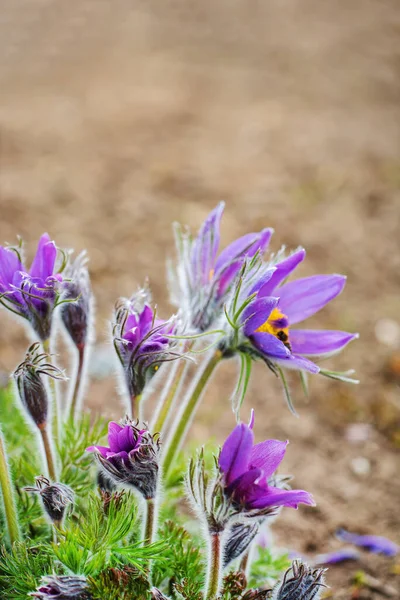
point(203, 279)
point(131, 458)
point(140, 340)
point(246, 469)
point(265, 312)
point(374, 543)
point(32, 294)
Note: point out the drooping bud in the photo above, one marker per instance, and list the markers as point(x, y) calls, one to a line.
point(31, 387)
point(300, 582)
point(132, 457)
point(63, 587)
point(239, 539)
point(76, 313)
point(55, 497)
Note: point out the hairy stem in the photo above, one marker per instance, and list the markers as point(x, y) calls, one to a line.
point(135, 406)
point(214, 567)
point(48, 452)
point(54, 397)
point(150, 523)
point(189, 408)
point(10, 509)
point(78, 382)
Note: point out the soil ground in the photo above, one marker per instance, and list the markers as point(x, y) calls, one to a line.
point(117, 118)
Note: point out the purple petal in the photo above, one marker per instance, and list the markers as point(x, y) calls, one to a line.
point(256, 313)
point(246, 245)
point(270, 345)
point(45, 258)
point(205, 246)
point(113, 432)
point(298, 363)
point(9, 265)
point(374, 543)
point(283, 270)
point(338, 556)
point(235, 453)
point(226, 277)
point(311, 342)
point(268, 456)
point(126, 441)
point(277, 497)
point(104, 450)
point(240, 486)
point(304, 297)
point(261, 281)
point(145, 320)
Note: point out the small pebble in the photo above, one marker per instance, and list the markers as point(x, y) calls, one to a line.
point(387, 331)
point(361, 466)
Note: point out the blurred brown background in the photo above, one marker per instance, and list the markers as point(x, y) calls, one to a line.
point(118, 117)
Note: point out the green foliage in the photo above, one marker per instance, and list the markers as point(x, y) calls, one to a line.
point(22, 568)
point(119, 584)
point(267, 567)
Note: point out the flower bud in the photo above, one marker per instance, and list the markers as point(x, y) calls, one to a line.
point(55, 497)
point(300, 582)
point(31, 387)
point(239, 539)
point(75, 313)
point(63, 587)
point(157, 595)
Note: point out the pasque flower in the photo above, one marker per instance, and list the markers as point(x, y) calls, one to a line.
point(263, 311)
point(374, 543)
point(76, 313)
point(202, 279)
point(32, 294)
point(246, 469)
point(300, 582)
point(62, 587)
point(131, 458)
point(55, 497)
point(140, 340)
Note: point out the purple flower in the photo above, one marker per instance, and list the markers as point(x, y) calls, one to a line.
point(76, 312)
point(300, 582)
point(203, 279)
point(62, 587)
point(140, 340)
point(338, 556)
point(264, 312)
point(374, 543)
point(55, 497)
point(246, 469)
point(131, 458)
point(32, 294)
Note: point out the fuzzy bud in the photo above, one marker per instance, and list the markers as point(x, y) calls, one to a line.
point(63, 587)
point(75, 313)
point(239, 539)
point(55, 497)
point(157, 595)
point(300, 582)
point(30, 384)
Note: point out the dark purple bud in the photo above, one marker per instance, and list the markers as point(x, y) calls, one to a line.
point(131, 459)
point(55, 497)
point(300, 582)
point(63, 587)
point(30, 384)
point(157, 595)
point(75, 312)
point(238, 541)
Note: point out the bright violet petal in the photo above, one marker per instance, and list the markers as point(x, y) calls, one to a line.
point(338, 556)
point(256, 313)
point(235, 453)
point(247, 245)
point(242, 484)
point(113, 432)
point(270, 345)
point(268, 456)
point(278, 497)
point(104, 450)
point(317, 343)
point(261, 281)
point(283, 270)
point(45, 258)
point(205, 246)
point(145, 320)
point(126, 441)
point(9, 264)
point(298, 363)
point(374, 543)
point(227, 276)
point(304, 297)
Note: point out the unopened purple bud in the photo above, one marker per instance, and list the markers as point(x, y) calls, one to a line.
point(76, 309)
point(63, 587)
point(55, 497)
point(300, 582)
point(238, 541)
point(30, 384)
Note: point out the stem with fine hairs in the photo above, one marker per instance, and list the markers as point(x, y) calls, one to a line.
point(48, 451)
point(10, 509)
point(78, 381)
point(214, 567)
point(54, 397)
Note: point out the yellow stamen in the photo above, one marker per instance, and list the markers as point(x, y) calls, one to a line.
point(271, 326)
point(211, 274)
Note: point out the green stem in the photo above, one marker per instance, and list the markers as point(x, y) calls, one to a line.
point(48, 452)
point(135, 406)
point(189, 409)
point(171, 394)
point(10, 509)
point(150, 524)
point(78, 381)
point(214, 567)
point(54, 397)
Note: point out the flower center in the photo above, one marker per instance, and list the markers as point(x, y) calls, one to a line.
point(277, 324)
